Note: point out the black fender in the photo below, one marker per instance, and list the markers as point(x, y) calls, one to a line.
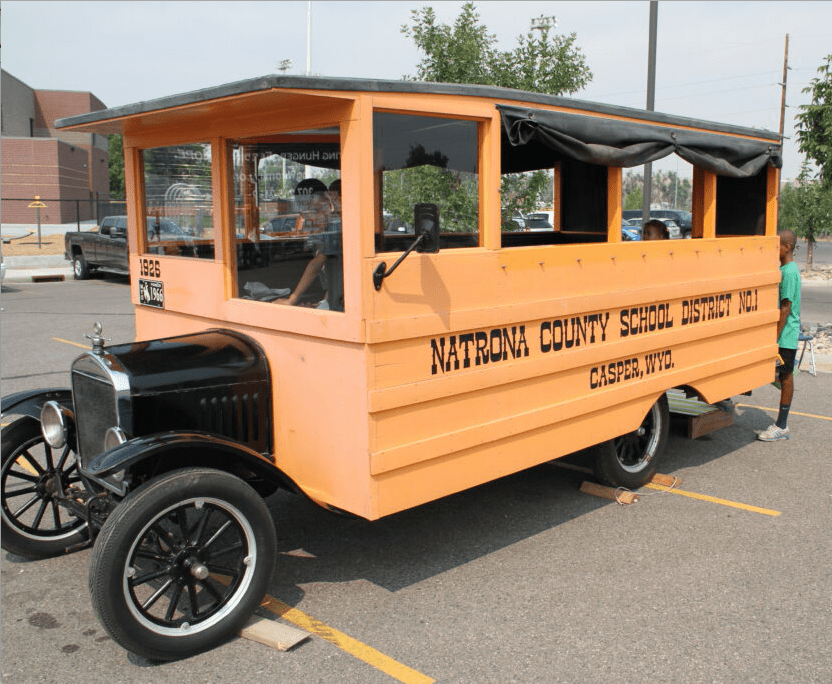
point(157, 453)
point(30, 402)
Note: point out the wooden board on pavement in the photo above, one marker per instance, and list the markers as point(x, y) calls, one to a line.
point(274, 634)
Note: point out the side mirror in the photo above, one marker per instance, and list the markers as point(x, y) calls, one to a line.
point(426, 225)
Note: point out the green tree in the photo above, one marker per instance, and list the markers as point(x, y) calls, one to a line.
point(459, 54)
point(813, 197)
point(465, 52)
point(542, 62)
point(806, 209)
point(671, 190)
point(814, 123)
point(116, 166)
point(634, 199)
point(454, 193)
point(668, 190)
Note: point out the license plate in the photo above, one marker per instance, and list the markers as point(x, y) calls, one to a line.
point(152, 293)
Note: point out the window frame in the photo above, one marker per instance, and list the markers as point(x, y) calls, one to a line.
point(483, 129)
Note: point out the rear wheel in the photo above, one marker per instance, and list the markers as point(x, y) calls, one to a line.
point(182, 563)
point(33, 478)
point(631, 460)
point(80, 268)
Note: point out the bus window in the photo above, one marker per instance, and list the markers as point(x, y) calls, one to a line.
point(178, 200)
point(425, 159)
point(287, 219)
point(741, 205)
point(521, 195)
point(578, 193)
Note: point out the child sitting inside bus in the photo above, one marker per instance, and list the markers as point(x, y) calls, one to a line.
point(324, 219)
point(655, 230)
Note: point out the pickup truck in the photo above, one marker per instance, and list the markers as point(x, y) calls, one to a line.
point(106, 247)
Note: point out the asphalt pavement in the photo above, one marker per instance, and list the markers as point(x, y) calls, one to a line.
point(524, 579)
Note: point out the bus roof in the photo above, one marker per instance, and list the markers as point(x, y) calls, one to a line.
point(111, 120)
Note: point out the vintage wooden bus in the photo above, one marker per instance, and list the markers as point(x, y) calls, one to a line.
point(356, 316)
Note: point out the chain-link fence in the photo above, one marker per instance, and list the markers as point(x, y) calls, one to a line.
point(58, 211)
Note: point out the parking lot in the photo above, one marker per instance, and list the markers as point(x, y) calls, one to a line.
point(525, 579)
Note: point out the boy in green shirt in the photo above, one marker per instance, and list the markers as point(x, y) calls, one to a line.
point(788, 329)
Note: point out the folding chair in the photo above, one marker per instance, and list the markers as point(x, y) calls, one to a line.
point(808, 340)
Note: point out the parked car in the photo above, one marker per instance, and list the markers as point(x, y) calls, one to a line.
point(538, 221)
point(679, 216)
point(629, 232)
point(395, 226)
point(287, 223)
point(672, 228)
point(106, 247)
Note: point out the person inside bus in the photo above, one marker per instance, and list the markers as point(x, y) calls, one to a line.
point(655, 230)
point(323, 216)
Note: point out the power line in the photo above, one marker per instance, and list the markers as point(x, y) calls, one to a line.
point(716, 92)
point(692, 83)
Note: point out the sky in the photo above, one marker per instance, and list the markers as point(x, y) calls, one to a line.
point(718, 61)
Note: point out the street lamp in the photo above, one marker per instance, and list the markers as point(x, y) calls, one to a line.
point(541, 23)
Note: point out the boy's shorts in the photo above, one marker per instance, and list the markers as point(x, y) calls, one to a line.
point(787, 367)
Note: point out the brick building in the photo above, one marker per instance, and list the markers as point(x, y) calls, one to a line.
point(38, 160)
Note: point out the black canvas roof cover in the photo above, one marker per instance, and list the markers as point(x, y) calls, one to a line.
point(536, 138)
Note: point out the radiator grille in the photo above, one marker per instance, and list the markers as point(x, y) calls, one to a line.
point(95, 412)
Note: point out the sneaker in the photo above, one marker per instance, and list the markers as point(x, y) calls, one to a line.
point(773, 434)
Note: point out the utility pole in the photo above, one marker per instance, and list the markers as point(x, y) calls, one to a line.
point(783, 97)
point(651, 104)
point(810, 245)
point(309, 38)
point(543, 24)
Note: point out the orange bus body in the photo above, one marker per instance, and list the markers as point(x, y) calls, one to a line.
point(467, 364)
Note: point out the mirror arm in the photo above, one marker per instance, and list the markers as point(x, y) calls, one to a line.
point(380, 273)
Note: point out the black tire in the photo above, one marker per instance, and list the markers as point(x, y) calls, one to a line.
point(33, 524)
point(166, 581)
point(80, 268)
point(632, 459)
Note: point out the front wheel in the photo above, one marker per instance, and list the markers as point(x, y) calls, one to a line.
point(631, 460)
point(182, 563)
point(34, 478)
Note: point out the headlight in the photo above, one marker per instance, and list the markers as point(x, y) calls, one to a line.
point(113, 437)
point(54, 424)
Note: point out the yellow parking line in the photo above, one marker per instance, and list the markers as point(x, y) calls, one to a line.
point(74, 344)
point(791, 413)
point(355, 648)
point(23, 463)
point(713, 499)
